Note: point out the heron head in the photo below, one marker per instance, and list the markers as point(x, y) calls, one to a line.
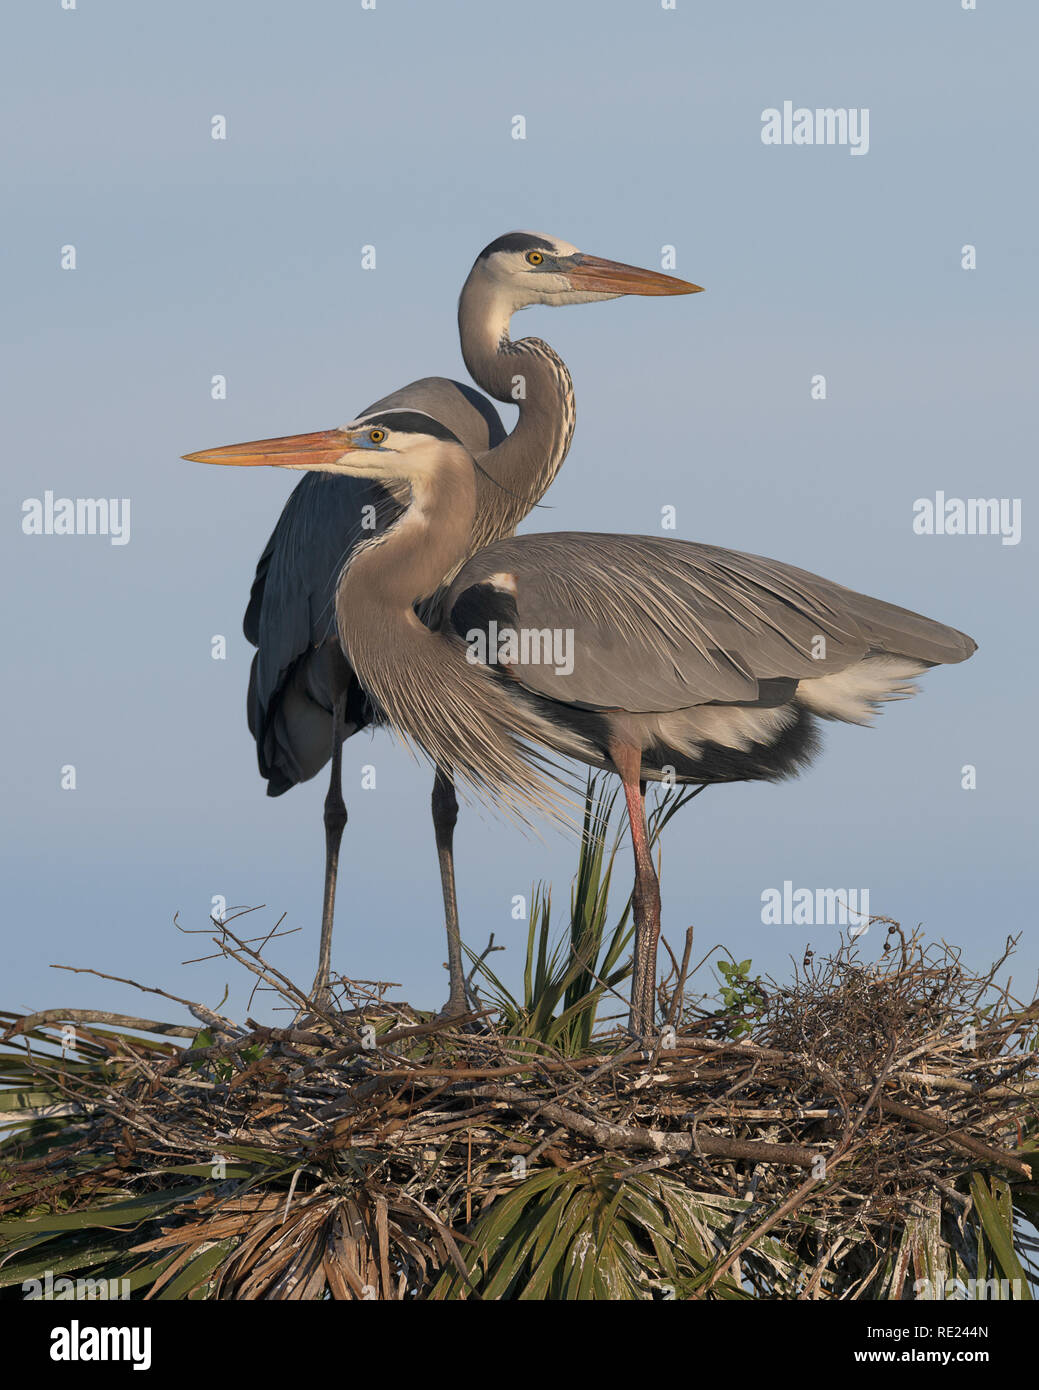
point(532, 268)
point(385, 444)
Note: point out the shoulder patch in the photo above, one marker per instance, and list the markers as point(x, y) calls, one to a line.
point(481, 604)
point(503, 581)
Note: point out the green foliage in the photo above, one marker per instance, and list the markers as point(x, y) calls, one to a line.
point(997, 1258)
point(81, 1202)
point(741, 996)
point(566, 979)
point(606, 1232)
point(218, 1068)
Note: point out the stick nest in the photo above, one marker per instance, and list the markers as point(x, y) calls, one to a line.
point(366, 1149)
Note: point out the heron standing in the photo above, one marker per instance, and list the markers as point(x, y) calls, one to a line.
point(303, 700)
point(689, 662)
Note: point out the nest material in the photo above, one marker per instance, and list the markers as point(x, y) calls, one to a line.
point(366, 1150)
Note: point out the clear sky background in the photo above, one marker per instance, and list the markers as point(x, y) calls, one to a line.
point(242, 257)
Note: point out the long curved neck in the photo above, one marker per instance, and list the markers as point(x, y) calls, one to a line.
point(420, 679)
point(407, 562)
point(529, 374)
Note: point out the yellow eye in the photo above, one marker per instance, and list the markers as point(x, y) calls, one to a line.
point(534, 258)
point(376, 436)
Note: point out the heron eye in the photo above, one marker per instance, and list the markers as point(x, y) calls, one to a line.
point(534, 258)
point(376, 436)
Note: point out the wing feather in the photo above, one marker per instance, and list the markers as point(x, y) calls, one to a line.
point(290, 618)
point(658, 624)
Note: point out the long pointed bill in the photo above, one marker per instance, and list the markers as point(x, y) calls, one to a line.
point(612, 277)
point(306, 451)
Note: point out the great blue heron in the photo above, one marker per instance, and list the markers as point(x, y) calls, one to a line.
point(303, 700)
point(687, 662)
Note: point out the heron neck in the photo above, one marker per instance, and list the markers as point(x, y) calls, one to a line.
point(530, 375)
point(408, 561)
point(420, 680)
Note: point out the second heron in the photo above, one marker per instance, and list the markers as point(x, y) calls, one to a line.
point(303, 698)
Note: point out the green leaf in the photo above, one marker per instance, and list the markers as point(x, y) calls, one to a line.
point(195, 1272)
point(996, 1216)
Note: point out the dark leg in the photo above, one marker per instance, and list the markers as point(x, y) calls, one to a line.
point(445, 815)
point(335, 820)
point(645, 898)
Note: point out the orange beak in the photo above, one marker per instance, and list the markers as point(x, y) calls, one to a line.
point(613, 277)
point(291, 451)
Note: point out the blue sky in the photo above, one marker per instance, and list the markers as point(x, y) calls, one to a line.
point(242, 257)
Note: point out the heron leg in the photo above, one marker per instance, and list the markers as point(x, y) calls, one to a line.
point(335, 820)
point(445, 816)
point(645, 897)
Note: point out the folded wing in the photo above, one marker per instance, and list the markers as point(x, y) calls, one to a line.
point(655, 624)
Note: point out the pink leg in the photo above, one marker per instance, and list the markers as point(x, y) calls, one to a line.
point(645, 898)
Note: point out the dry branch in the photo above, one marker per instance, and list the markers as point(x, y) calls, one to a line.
point(858, 1072)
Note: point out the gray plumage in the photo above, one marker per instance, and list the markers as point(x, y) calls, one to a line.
point(303, 698)
point(701, 658)
point(295, 679)
point(299, 670)
point(662, 624)
point(686, 661)
point(675, 660)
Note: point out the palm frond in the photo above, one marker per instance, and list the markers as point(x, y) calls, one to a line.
point(568, 975)
point(609, 1231)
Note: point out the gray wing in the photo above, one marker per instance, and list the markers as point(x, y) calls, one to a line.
point(298, 672)
point(660, 624)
